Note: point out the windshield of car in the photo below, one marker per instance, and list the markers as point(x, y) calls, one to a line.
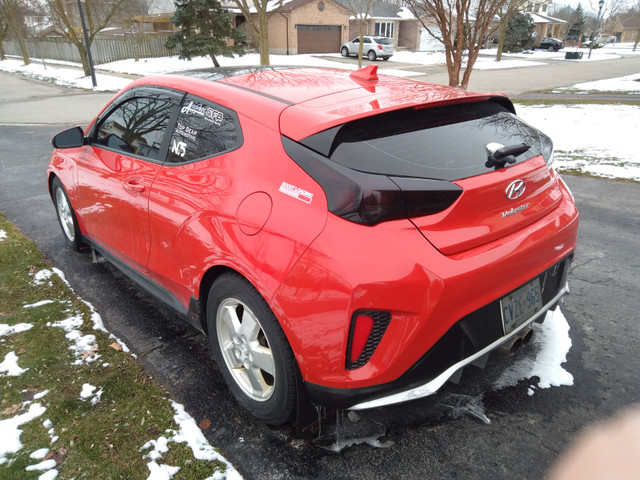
point(383, 41)
point(444, 143)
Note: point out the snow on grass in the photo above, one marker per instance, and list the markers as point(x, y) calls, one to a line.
point(84, 347)
point(188, 433)
point(3, 235)
point(551, 343)
point(596, 139)
point(629, 84)
point(11, 329)
point(89, 393)
point(39, 454)
point(63, 75)
point(10, 438)
point(9, 366)
point(39, 304)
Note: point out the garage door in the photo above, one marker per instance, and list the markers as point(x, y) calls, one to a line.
point(319, 38)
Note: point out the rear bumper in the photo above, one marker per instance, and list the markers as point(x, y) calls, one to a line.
point(466, 342)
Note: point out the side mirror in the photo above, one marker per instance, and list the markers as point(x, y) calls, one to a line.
point(71, 138)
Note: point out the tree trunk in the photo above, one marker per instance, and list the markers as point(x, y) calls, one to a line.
point(23, 46)
point(503, 34)
point(214, 59)
point(84, 58)
point(263, 44)
point(2, 55)
point(635, 45)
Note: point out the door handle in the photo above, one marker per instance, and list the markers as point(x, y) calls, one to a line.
point(134, 185)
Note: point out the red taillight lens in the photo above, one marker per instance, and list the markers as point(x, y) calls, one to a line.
point(379, 47)
point(366, 332)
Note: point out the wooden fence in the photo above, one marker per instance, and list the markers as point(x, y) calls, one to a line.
point(103, 50)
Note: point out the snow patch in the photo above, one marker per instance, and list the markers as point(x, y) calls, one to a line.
point(84, 347)
point(11, 329)
point(595, 139)
point(42, 276)
point(9, 367)
point(46, 465)
point(551, 342)
point(39, 304)
point(10, 438)
point(89, 392)
point(188, 433)
point(3, 235)
point(39, 454)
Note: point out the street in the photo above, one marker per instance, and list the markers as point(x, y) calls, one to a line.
point(438, 437)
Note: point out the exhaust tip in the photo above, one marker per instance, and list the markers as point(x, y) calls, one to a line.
point(516, 342)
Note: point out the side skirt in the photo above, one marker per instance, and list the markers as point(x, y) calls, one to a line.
point(191, 314)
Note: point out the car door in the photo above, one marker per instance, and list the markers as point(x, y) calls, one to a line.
point(354, 45)
point(127, 146)
point(196, 180)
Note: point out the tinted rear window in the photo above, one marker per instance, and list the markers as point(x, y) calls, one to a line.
point(384, 41)
point(444, 143)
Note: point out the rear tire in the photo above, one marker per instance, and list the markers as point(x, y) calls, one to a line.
point(344, 51)
point(371, 55)
point(551, 49)
point(66, 216)
point(251, 350)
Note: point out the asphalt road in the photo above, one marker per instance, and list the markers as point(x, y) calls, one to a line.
point(432, 438)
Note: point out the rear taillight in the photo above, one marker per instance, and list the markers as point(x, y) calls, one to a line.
point(368, 198)
point(365, 333)
point(379, 47)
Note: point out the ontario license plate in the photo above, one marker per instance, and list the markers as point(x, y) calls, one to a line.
point(519, 306)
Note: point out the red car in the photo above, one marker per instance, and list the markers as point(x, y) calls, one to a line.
point(347, 238)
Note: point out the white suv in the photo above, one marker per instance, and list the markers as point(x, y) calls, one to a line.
point(372, 47)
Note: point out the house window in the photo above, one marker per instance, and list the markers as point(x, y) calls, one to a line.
point(384, 29)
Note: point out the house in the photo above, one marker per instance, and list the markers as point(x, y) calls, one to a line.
point(321, 26)
point(626, 27)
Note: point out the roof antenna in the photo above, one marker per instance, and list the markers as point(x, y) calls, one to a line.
point(367, 74)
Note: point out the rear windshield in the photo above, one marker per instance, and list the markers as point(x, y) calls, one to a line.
point(444, 143)
point(383, 41)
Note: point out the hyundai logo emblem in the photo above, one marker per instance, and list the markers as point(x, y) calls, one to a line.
point(515, 189)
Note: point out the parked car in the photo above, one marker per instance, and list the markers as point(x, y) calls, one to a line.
point(372, 47)
point(347, 238)
point(551, 44)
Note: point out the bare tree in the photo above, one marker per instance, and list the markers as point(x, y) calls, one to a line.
point(66, 17)
point(360, 9)
point(505, 12)
point(12, 21)
point(257, 14)
point(463, 26)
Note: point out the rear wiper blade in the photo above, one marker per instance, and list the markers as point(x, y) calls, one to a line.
point(499, 156)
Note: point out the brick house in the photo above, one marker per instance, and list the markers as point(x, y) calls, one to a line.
point(626, 27)
point(321, 26)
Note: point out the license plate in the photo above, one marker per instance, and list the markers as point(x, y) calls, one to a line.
point(520, 305)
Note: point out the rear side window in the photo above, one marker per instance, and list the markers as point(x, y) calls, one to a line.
point(137, 126)
point(443, 143)
point(203, 130)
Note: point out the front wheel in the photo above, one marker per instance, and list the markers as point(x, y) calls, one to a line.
point(344, 52)
point(371, 55)
point(551, 49)
point(251, 349)
point(66, 215)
